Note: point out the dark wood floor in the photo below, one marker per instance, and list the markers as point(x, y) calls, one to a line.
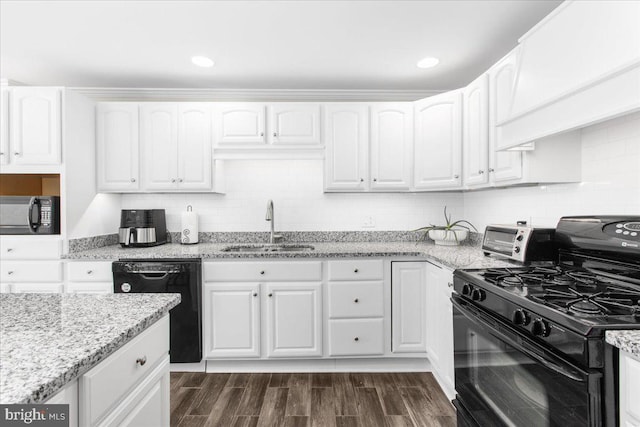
point(324, 399)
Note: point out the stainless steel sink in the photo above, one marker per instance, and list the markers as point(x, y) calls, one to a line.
point(268, 248)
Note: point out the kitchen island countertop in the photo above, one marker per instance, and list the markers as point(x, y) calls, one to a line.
point(48, 340)
point(462, 256)
point(628, 341)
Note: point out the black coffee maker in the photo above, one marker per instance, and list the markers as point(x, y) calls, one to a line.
point(140, 228)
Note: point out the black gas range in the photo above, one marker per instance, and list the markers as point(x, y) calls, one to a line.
point(529, 339)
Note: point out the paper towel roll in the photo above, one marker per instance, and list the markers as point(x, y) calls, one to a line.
point(189, 234)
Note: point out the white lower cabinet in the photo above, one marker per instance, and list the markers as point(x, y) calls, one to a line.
point(440, 325)
point(409, 307)
point(31, 264)
point(629, 390)
point(356, 337)
point(232, 320)
point(294, 319)
point(131, 386)
point(92, 277)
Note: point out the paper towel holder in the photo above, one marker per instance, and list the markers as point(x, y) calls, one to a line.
point(189, 233)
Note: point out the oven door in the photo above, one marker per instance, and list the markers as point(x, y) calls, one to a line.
point(505, 379)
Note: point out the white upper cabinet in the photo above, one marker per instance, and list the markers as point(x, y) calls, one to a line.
point(578, 66)
point(294, 124)
point(239, 123)
point(195, 168)
point(438, 142)
point(159, 142)
point(35, 128)
point(391, 146)
point(475, 138)
point(503, 165)
point(346, 136)
point(117, 146)
point(4, 126)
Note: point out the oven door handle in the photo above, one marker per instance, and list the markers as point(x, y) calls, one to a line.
point(478, 318)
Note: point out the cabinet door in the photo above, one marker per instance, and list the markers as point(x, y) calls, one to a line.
point(475, 134)
point(629, 389)
point(35, 126)
point(4, 126)
point(232, 320)
point(151, 408)
point(297, 124)
point(159, 142)
point(294, 319)
point(391, 146)
point(117, 146)
point(438, 142)
point(239, 123)
point(194, 147)
point(503, 165)
point(346, 134)
point(408, 307)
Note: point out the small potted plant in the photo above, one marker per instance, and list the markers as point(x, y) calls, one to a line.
point(450, 234)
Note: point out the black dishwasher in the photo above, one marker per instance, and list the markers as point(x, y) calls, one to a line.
point(182, 276)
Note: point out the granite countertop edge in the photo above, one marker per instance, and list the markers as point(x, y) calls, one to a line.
point(51, 386)
point(628, 341)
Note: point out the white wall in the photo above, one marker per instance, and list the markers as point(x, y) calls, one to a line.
point(300, 205)
point(610, 183)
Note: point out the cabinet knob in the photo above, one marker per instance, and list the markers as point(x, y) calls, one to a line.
point(275, 134)
point(173, 180)
point(89, 271)
point(133, 180)
point(255, 294)
point(262, 272)
point(492, 170)
point(361, 179)
point(450, 285)
point(456, 176)
point(179, 179)
point(480, 171)
point(9, 249)
point(356, 339)
point(375, 179)
point(356, 300)
point(1, 153)
point(141, 360)
point(261, 133)
point(9, 273)
point(16, 154)
point(270, 295)
point(355, 271)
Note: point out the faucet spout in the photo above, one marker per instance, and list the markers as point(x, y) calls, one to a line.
point(270, 217)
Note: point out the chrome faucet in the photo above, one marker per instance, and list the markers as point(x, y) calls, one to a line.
point(270, 217)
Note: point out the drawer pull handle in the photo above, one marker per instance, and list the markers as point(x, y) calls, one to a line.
point(142, 360)
point(270, 295)
point(9, 249)
point(450, 285)
point(89, 271)
point(356, 339)
point(9, 273)
point(355, 271)
point(262, 272)
point(255, 294)
point(356, 300)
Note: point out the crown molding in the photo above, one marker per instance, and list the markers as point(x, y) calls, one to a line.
point(266, 95)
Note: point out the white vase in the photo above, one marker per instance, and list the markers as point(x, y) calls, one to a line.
point(451, 237)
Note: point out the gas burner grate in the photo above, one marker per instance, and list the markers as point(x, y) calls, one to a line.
point(612, 301)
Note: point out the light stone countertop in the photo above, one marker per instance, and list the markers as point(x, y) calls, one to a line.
point(628, 341)
point(48, 340)
point(462, 256)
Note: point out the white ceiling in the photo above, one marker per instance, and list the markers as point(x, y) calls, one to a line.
point(259, 44)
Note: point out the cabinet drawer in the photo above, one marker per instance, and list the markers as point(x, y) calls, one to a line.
point(90, 271)
point(356, 270)
point(356, 337)
point(28, 247)
point(107, 383)
point(36, 288)
point(89, 287)
point(28, 271)
point(263, 271)
point(355, 299)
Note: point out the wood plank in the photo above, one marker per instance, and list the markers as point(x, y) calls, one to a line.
point(224, 410)
point(245, 421)
point(370, 408)
point(296, 421)
point(392, 402)
point(253, 397)
point(322, 379)
point(180, 403)
point(194, 379)
point(176, 379)
point(398, 421)
point(193, 421)
point(361, 379)
point(345, 402)
point(446, 421)
point(348, 421)
point(279, 380)
point(238, 380)
point(418, 405)
point(299, 398)
point(436, 397)
point(273, 407)
point(408, 379)
point(207, 396)
point(323, 412)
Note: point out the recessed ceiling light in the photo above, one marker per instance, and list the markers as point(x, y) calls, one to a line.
point(202, 61)
point(428, 62)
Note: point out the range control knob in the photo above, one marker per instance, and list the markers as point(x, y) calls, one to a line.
point(467, 289)
point(540, 328)
point(516, 249)
point(519, 238)
point(521, 317)
point(478, 295)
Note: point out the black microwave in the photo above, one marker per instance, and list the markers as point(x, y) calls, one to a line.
point(29, 215)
